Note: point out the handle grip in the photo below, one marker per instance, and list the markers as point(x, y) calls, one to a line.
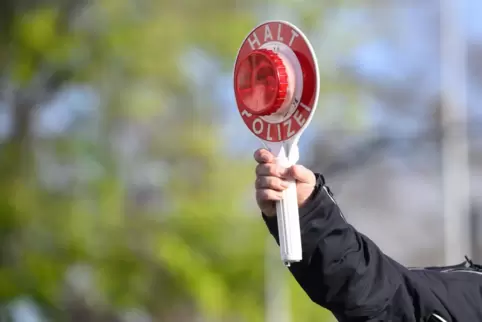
point(289, 226)
point(288, 220)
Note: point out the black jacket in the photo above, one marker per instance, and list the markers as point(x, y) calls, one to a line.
point(345, 272)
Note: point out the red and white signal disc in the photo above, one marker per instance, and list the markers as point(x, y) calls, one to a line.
point(276, 81)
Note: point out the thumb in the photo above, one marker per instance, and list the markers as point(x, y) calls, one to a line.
point(302, 174)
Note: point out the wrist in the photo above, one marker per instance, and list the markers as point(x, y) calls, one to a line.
point(312, 200)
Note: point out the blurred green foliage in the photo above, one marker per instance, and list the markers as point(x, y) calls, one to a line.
point(94, 247)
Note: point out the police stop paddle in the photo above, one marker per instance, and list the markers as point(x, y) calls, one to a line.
point(276, 85)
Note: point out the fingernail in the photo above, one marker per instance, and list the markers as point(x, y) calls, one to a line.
point(284, 184)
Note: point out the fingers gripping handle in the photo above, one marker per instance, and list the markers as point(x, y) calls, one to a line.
point(288, 216)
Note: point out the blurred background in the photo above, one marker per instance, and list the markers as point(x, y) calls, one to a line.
point(126, 173)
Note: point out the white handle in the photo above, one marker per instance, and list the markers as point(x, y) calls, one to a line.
point(288, 216)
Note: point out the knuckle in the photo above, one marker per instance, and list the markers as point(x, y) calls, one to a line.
point(265, 169)
point(272, 182)
point(260, 194)
point(264, 194)
point(259, 169)
point(264, 182)
point(267, 183)
point(258, 182)
point(257, 155)
point(272, 170)
point(276, 183)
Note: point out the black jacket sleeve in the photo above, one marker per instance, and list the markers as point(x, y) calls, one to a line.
point(345, 272)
